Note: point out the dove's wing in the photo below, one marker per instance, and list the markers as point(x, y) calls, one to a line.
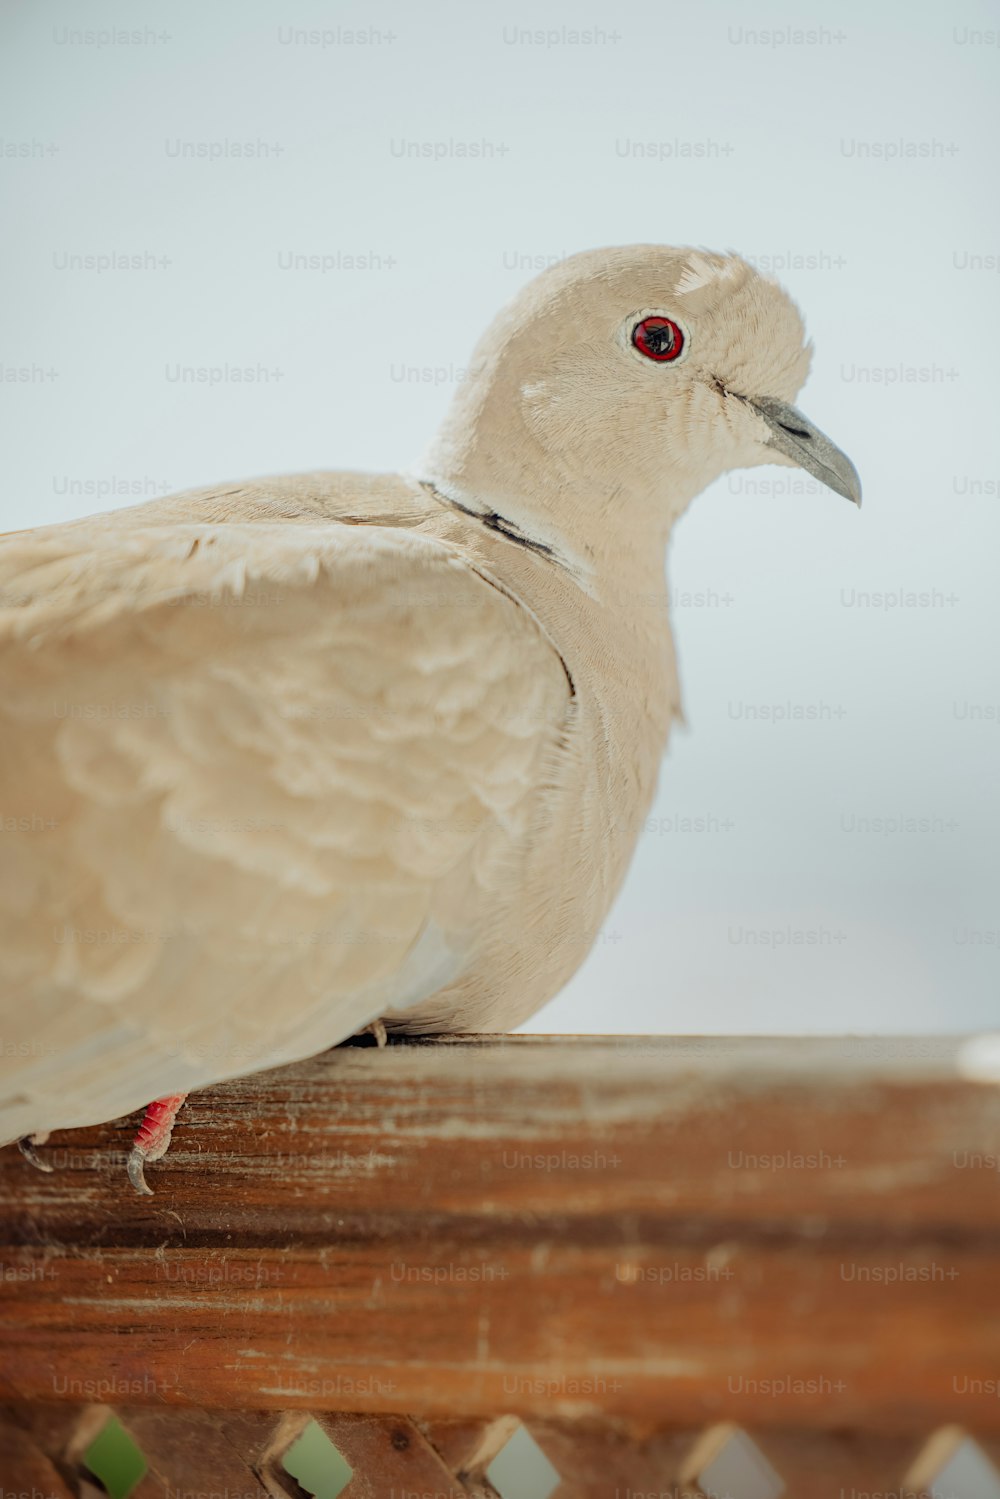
point(258, 783)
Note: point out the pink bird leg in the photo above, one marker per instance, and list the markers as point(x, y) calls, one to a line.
point(153, 1138)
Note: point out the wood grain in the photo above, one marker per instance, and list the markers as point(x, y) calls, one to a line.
point(791, 1235)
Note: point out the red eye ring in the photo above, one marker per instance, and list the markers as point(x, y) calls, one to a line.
point(658, 338)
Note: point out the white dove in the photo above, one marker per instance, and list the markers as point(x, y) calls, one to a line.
point(290, 758)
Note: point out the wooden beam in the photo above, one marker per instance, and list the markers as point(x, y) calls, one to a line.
point(783, 1234)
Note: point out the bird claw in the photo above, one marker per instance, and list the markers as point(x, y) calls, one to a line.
point(136, 1174)
point(28, 1144)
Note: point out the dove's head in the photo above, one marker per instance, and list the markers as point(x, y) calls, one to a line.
point(623, 381)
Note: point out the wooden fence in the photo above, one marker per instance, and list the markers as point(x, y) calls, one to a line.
point(672, 1267)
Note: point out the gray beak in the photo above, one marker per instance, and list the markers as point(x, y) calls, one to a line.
point(795, 436)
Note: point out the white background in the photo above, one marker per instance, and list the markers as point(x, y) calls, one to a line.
point(784, 148)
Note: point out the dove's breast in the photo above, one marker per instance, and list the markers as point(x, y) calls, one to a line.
point(600, 775)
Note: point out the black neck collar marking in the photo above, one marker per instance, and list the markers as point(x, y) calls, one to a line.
point(508, 529)
point(493, 521)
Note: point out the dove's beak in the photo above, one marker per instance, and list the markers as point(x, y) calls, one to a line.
point(794, 435)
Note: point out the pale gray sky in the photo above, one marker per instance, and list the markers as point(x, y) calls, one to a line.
point(455, 148)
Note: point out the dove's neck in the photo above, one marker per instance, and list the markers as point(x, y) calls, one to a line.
point(607, 528)
point(595, 543)
point(514, 519)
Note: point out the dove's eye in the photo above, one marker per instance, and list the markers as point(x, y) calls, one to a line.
point(658, 338)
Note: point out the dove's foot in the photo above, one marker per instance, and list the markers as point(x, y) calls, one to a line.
point(27, 1146)
point(376, 1029)
point(153, 1138)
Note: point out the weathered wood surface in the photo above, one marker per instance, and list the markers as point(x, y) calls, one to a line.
point(784, 1234)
